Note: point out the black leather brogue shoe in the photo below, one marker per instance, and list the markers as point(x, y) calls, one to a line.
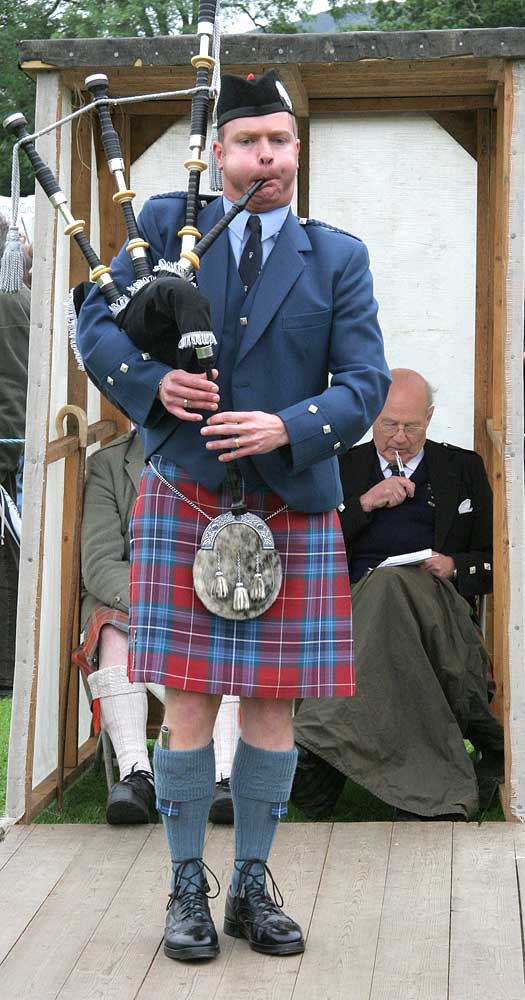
point(132, 800)
point(190, 932)
point(221, 810)
point(252, 914)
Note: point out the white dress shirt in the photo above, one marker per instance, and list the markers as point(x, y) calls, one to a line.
point(271, 224)
point(410, 465)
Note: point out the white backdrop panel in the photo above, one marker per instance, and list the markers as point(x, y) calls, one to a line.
point(406, 188)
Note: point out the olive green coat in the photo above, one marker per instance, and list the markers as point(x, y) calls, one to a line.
point(112, 482)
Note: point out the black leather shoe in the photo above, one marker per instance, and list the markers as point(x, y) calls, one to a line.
point(316, 785)
point(221, 810)
point(132, 800)
point(190, 932)
point(252, 914)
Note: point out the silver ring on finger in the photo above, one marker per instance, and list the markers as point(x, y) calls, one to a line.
point(185, 403)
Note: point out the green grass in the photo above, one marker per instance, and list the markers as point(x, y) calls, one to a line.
point(5, 722)
point(85, 800)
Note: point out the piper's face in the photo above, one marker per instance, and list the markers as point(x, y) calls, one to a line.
point(253, 148)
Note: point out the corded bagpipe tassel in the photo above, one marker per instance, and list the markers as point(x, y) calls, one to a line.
point(241, 600)
point(257, 588)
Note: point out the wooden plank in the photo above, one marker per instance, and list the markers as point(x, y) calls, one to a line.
point(31, 874)
point(145, 130)
point(13, 839)
point(100, 430)
point(297, 861)
point(398, 105)
point(59, 932)
point(462, 126)
point(20, 764)
point(486, 960)
point(293, 81)
point(342, 940)
point(303, 174)
point(121, 950)
point(513, 468)
point(167, 978)
point(498, 409)
point(412, 951)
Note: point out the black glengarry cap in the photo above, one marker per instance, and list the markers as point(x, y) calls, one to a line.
point(248, 98)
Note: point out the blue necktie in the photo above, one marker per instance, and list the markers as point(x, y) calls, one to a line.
point(251, 260)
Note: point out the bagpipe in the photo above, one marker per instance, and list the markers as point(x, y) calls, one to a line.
point(164, 314)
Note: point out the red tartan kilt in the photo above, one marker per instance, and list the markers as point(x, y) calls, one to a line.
point(300, 648)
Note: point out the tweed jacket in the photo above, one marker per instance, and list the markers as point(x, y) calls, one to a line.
point(312, 313)
point(459, 482)
point(112, 483)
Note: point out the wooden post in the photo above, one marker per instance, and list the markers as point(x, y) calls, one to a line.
point(509, 416)
point(20, 767)
point(80, 202)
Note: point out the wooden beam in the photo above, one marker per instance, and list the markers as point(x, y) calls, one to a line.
point(80, 201)
point(303, 175)
point(484, 289)
point(22, 738)
point(293, 81)
point(101, 430)
point(145, 130)
point(398, 105)
point(462, 126)
point(500, 554)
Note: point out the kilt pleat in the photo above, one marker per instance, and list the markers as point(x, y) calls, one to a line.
point(301, 647)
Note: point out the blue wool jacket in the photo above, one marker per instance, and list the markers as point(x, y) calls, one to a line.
point(311, 314)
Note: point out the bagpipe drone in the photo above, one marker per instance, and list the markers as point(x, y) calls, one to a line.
point(166, 315)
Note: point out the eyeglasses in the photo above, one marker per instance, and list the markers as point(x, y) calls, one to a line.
point(391, 427)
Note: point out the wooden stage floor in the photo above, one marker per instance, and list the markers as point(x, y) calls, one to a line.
point(392, 912)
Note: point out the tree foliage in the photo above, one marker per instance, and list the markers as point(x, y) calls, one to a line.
point(424, 15)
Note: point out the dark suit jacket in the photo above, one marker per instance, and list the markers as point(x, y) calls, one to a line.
point(456, 475)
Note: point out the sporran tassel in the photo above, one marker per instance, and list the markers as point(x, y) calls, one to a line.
point(241, 600)
point(219, 587)
point(257, 588)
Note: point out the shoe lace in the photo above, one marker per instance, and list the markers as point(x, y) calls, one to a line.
point(192, 888)
point(257, 885)
point(138, 773)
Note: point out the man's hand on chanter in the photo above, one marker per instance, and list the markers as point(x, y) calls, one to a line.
point(244, 434)
point(390, 493)
point(180, 393)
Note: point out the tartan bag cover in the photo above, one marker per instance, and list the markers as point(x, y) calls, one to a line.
point(301, 647)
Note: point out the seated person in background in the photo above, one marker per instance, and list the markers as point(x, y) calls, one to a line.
point(121, 708)
point(421, 664)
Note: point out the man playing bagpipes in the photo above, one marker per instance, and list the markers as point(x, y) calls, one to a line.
point(291, 301)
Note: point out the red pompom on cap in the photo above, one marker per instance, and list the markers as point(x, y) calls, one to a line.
point(251, 76)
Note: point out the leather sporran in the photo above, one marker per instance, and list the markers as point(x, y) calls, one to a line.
point(237, 571)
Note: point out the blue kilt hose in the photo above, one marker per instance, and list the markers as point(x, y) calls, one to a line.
point(301, 647)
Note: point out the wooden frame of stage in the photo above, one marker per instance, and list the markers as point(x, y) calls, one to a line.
point(473, 83)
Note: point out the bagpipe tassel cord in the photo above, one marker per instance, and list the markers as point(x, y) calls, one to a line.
point(12, 265)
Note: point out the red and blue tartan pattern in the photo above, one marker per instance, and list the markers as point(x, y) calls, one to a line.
point(302, 646)
point(85, 656)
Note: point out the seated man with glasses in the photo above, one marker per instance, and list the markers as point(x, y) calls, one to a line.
point(421, 663)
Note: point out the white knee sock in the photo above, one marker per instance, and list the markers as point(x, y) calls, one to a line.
point(123, 716)
point(226, 735)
